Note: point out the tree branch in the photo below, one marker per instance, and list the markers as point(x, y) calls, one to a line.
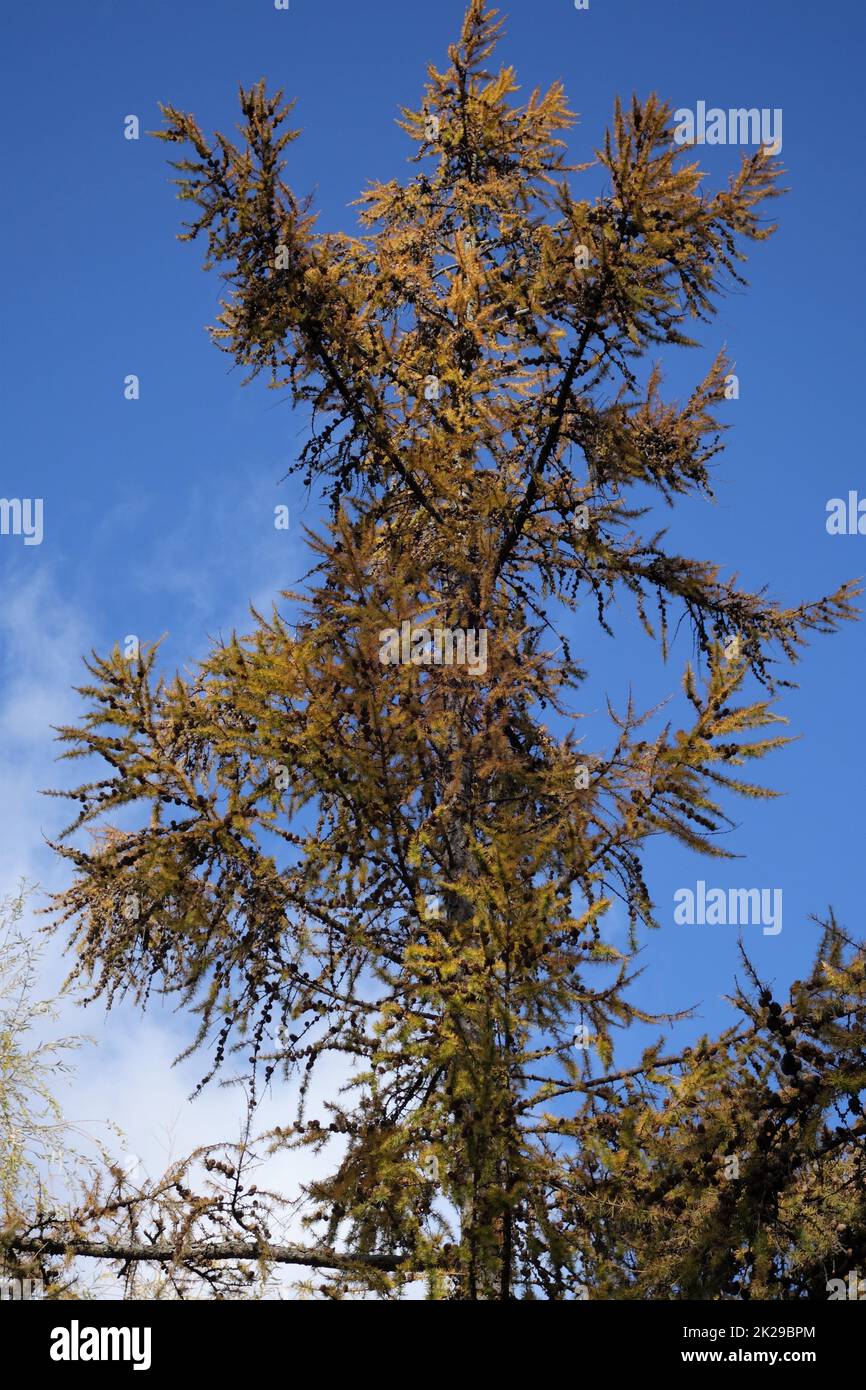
point(202, 1254)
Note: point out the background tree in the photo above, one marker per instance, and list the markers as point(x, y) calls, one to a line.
point(403, 864)
point(33, 1131)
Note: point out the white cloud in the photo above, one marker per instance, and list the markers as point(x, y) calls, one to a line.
point(127, 1076)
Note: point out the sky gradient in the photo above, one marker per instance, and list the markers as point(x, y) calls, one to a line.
point(158, 513)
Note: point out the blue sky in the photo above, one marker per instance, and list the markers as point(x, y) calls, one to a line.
point(158, 513)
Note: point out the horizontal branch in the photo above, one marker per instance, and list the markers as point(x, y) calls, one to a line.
point(202, 1254)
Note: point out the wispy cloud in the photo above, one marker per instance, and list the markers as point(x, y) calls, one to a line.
point(127, 1077)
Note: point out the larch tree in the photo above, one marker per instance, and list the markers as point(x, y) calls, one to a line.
point(372, 831)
